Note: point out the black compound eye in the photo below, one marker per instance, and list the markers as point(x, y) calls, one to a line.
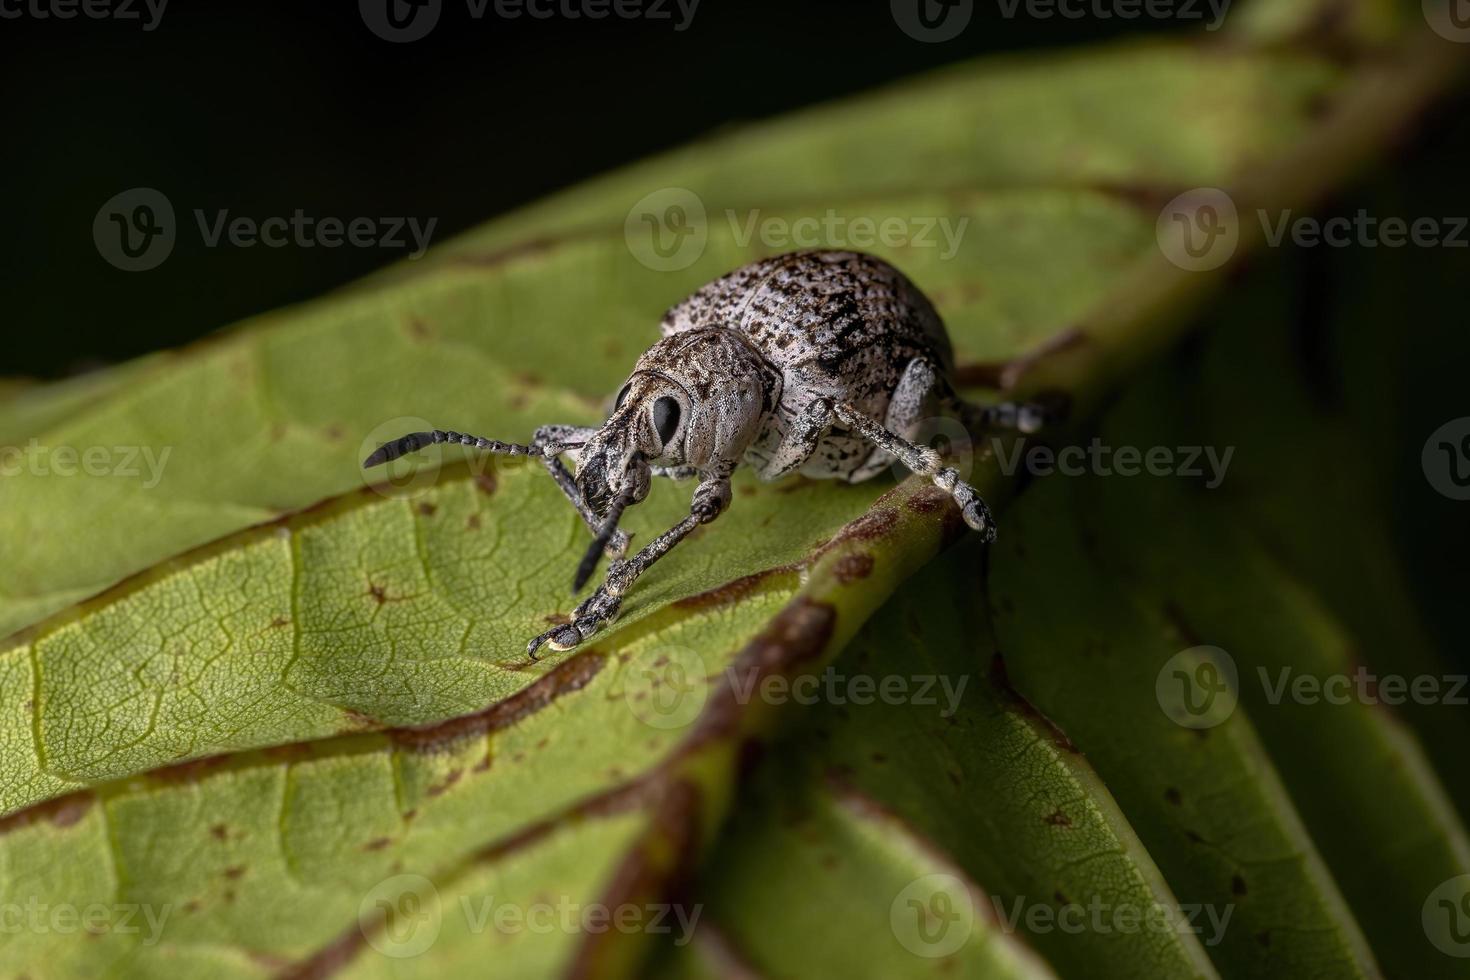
point(621, 396)
point(665, 419)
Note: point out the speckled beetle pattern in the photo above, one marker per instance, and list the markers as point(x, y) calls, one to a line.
point(821, 363)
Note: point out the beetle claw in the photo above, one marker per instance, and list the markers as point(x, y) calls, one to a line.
point(559, 638)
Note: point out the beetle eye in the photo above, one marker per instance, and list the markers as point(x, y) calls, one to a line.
point(622, 395)
point(665, 418)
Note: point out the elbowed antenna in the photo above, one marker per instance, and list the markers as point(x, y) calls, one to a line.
point(604, 534)
point(415, 441)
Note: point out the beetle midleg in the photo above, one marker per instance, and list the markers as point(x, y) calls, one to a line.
point(925, 462)
point(800, 441)
point(918, 395)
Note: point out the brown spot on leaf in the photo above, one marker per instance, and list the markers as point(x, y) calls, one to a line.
point(63, 811)
point(377, 844)
point(485, 482)
point(1057, 819)
point(426, 509)
point(851, 568)
point(377, 592)
point(1172, 795)
point(874, 524)
point(566, 677)
point(472, 522)
point(729, 593)
point(439, 789)
point(189, 772)
point(234, 872)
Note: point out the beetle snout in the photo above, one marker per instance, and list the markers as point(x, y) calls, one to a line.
point(592, 483)
point(607, 472)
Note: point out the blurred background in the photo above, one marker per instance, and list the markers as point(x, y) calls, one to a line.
point(265, 108)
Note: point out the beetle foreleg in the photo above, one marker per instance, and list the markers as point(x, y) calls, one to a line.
point(711, 498)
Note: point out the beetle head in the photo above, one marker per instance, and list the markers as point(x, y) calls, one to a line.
point(647, 425)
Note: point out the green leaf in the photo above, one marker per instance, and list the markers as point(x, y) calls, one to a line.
point(304, 736)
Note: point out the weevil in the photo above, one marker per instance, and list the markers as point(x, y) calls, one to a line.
point(822, 363)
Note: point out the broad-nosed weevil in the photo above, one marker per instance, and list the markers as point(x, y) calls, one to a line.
point(822, 363)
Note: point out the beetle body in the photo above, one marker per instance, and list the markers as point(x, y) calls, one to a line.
point(840, 326)
point(821, 363)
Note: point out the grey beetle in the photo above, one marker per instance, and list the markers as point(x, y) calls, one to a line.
point(786, 365)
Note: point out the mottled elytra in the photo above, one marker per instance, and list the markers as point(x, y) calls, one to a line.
point(819, 363)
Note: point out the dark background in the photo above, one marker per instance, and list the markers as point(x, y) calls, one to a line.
point(266, 106)
point(273, 105)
